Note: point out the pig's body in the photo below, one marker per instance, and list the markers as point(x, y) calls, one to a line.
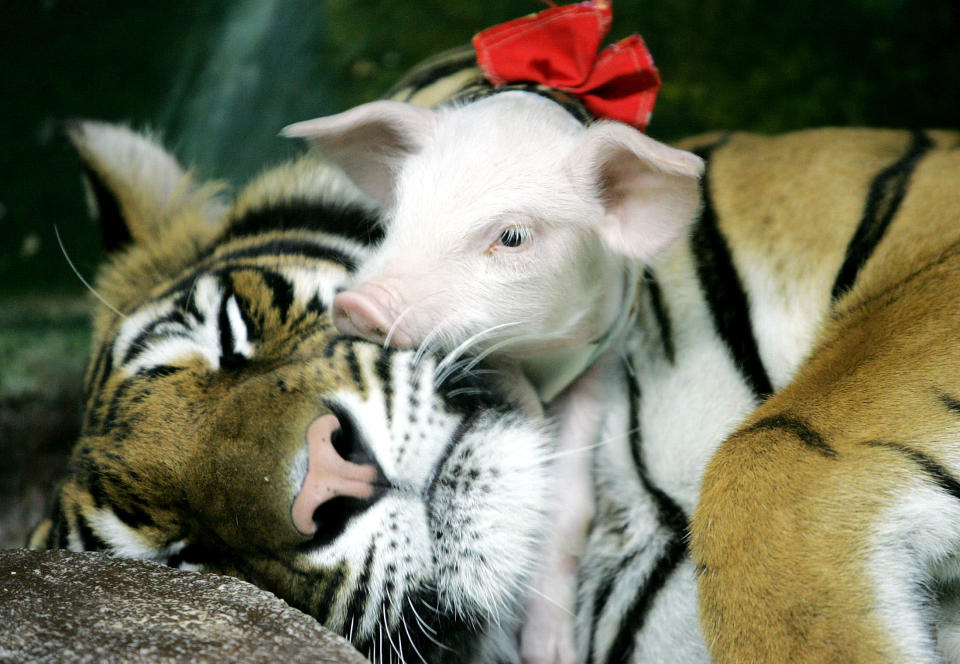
point(514, 230)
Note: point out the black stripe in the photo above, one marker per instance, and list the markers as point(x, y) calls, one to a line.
point(57, 538)
point(139, 343)
point(102, 370)
point(669, 512)
point(88, 538)
point(344, 219)
point(109, 422)
point(291, 247)
point(113, 227)
point(670, 515)
point(621, 652)
point(382, 370)
point(660, 313)
point(568, 103)
point(940, 475)
point(230, 359)
point(948, 401)
point(887, 192)
point(282, 291)
point(362, 589)
point(159, 371)
point(132, 511)
point(433, 69)
point(724, 292)
point(275, 248)
point(600, 599)
point(356, 373)
point(798, 428)
point(331, 348)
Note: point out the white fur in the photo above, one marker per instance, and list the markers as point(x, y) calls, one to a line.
point(587, 201)
point(591, 197)
point(915, 548)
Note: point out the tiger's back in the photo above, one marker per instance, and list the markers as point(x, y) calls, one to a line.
point(832, 507)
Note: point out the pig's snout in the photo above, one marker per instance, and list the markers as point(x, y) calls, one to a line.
point(370, 312)
point(330, 475)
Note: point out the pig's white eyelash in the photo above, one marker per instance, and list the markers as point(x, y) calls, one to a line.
point(514, 237)
point(445, 366)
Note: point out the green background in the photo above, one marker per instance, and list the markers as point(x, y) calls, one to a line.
point(218, 79)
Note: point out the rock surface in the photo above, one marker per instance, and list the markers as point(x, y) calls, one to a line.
point(58, 606)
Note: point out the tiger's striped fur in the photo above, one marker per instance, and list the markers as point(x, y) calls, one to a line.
point(213, 353)
point(796, 349)
point(793, 355)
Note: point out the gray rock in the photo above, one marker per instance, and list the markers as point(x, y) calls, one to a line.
point(58, 606)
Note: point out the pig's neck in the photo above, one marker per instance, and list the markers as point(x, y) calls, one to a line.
point(553, 371)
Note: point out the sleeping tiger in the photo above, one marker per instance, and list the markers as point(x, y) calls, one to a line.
point(228, 427)
point(782, 399)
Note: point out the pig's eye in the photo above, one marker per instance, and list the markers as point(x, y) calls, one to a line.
point(514, 236)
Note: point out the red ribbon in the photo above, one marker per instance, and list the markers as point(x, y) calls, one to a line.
point(558, 48)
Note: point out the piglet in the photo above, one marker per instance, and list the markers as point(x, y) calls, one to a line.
point(514, 230)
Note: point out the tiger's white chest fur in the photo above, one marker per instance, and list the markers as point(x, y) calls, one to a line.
point(638, 586)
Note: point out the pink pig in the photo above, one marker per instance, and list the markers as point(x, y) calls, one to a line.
point(514, 230)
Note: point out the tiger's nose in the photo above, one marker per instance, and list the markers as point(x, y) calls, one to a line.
point(331, 476)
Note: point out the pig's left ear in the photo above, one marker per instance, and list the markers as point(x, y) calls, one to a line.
point(650, 191)
point(368, 141)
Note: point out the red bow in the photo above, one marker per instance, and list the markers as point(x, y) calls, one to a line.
point(558, 48)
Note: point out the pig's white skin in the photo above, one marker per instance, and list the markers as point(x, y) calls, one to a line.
point(451, 181)
point(439, 254)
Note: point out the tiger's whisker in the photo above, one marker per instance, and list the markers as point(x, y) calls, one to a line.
point(413, 644)
point(549, 599)
point(63, 249)
point(471, 340)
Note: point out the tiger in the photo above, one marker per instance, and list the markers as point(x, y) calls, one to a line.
point(785, 485)
point(229, 428)
point(775, 481)
point(780, 481)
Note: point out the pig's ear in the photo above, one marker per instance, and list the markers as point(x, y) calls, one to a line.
point(368, 141)
point(650, 191)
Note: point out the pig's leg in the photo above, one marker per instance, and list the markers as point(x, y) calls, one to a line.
point(547, 634)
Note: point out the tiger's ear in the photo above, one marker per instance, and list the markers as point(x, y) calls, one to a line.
point(133, 184)
point(368, 142)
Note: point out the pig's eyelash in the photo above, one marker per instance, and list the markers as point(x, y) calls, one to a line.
point(513, 237)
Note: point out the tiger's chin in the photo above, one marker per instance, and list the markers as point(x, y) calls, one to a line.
point(439, 559)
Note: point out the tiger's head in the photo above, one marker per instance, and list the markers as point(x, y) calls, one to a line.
point(229, 427)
